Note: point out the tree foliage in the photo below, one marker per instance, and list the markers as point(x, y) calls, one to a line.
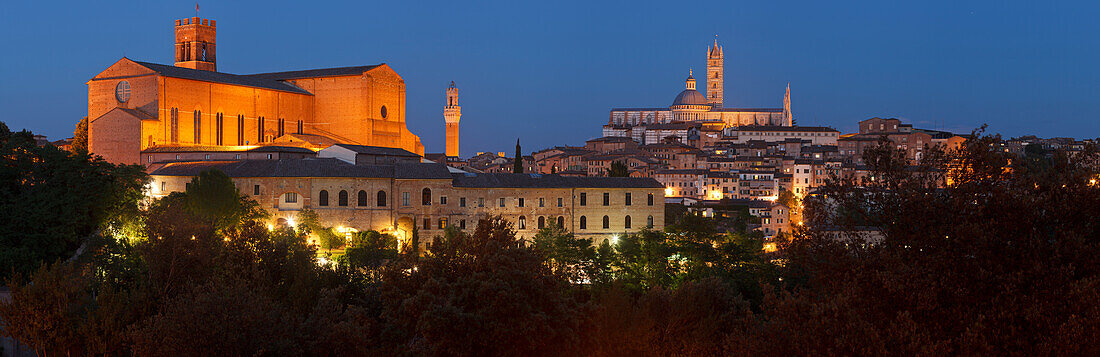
point(964, 252)
point(53, 201)
point(618, 169)
point(80, 138)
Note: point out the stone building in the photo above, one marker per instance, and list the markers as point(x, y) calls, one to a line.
point(134, 105)
point(692, 106)
point(914, 142)
point(394, 198)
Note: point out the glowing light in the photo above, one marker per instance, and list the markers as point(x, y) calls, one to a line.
point(769, 247)
point(270, 227)
point(771, 198)
point(615, 239)
point(290, 222)
point(668, 191)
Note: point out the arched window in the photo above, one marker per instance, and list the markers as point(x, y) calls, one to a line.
point(542, 222)
point(322, 198)
point(606, 222)
point(626, 222)
point(381, 198)
point(561, 221)
point(522, 222)
point(649, 221)
point(175, 129)
point(198, 127)
point(343, 200)
point(584, 223)
point(650, 199)
point(362, 199)
point(427, 199)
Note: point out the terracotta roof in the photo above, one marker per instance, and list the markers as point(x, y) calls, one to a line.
point(550, 181)
point(783, 128)
point(320, 72)
point(377, 150)
point(310, 167)
point(219, 77)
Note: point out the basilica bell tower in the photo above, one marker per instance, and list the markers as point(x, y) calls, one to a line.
point(195, 44)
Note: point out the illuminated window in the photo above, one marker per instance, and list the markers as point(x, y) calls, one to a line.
point(522, 222)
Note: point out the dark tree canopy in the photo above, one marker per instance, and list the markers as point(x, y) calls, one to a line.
point(53, 201)
point(618, 169)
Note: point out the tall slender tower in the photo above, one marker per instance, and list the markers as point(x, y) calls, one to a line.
point(195, 44)
point(788, 118)
point(451, 113)
point(715, 75)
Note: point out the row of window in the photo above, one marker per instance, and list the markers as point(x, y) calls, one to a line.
point(542, 222)
point(426, 200)
point(362, 199)
point(219, 130)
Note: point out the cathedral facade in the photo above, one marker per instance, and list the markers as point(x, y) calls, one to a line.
point(134, 105)
point(692, 106)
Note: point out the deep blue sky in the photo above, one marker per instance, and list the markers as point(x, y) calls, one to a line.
point(548, 71)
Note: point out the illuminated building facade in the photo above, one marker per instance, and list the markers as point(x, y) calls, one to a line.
point(395, 198)
point(134, 105)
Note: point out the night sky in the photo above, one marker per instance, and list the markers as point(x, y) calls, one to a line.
point(548, 71)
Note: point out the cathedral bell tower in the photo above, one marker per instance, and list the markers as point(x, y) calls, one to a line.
point(195, 44)
point(451, 114)
point(715, 75)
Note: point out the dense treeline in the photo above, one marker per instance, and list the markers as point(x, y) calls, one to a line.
point(1003, 260)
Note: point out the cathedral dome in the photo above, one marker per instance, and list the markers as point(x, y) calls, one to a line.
point(690, 97)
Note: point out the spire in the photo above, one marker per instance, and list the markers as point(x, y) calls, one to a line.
point(715, 51)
